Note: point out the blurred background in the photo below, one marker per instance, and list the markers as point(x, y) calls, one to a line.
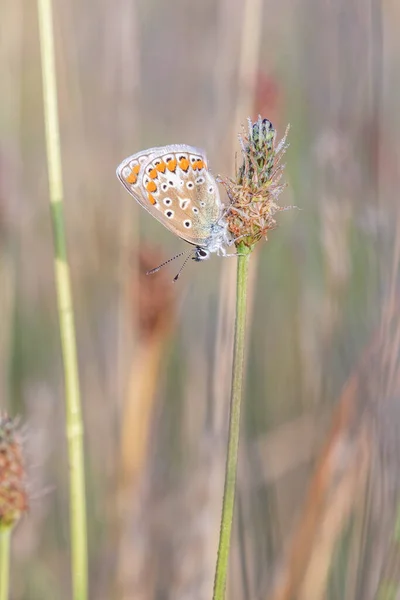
point(316, 511)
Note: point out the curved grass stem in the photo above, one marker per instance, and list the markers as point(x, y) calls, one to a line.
point(234, 426)
point(74, 426)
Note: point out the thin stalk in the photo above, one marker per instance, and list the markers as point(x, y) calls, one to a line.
point(234, 426)
point(74, 426)
point(5, 539)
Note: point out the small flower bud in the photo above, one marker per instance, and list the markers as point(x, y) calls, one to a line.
point(259, 146)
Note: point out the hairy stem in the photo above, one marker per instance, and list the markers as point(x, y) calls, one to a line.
point(234, 426)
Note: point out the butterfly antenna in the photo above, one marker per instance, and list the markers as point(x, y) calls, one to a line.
point(165, 263)
point(183, 266)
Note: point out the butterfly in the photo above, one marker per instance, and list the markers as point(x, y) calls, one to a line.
point(174, 185)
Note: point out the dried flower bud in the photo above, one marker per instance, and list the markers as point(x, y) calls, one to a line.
point(255, 191)
point(13, 494)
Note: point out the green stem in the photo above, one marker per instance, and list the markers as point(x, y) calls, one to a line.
point(74, 426)
point(234, 426)
point(5, 538)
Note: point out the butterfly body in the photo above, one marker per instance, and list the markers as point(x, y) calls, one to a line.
point(174, 185)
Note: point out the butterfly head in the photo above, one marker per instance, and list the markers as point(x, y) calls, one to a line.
point(200, 254)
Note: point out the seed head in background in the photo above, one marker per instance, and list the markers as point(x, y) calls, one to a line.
point(13, 492)
point(153, 297)
point(254, 192)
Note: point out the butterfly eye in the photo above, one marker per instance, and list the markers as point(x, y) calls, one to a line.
point(187, 223)
point(169, 214)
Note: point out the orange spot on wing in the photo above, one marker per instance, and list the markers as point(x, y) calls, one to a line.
point(151, 186)
point(171, 165)
point(132, 178)
point(161, 167)
point(153, 173)
point(151, 198)
point(199, 164)
point(184, 164)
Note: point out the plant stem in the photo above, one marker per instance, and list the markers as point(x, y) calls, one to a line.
point(5, 538)
point(234, 426)
point(74, 426)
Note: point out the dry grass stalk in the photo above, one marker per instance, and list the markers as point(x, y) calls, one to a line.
point(328, 502)
point(387, 511)
point(334, 518)
point(292, 444)
point(153, 301)
point(154, 304)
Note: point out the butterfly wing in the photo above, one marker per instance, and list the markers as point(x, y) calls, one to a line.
point(174, 185)
point(129, 174)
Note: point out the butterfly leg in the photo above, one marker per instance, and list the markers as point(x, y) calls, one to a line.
point(222, 252)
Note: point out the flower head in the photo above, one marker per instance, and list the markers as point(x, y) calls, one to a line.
point(13, 493)
point(254, 192)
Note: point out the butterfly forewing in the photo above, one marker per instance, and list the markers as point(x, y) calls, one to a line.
point(175, 186)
